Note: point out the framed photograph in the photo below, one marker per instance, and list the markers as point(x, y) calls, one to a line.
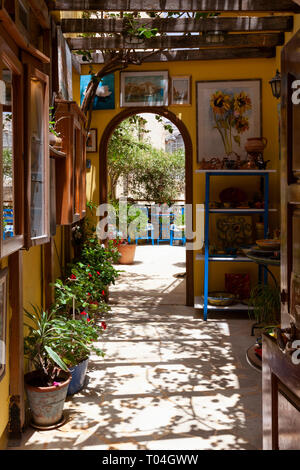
point(91, 144)
point(228, 113)
point(3, 319)
point(144, 89)
point(181, 90)
point(105, 95)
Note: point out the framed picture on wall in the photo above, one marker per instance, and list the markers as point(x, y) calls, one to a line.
point(144, 89)
point(3, 319)
point(91, 143)
point(105, 94)
point(181, 90)
point(228, 113)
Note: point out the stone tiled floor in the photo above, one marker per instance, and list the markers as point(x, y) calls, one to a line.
point(169, 380)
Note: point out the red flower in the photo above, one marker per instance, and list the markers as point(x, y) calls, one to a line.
point(83, 313)
point(98, 273)
point(73, 276)
point(90, 275)
point(104, 325)
point(88, 320)
point(88, 294)
point(103, 292)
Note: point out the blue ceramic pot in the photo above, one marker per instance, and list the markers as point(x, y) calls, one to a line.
point(78, 377)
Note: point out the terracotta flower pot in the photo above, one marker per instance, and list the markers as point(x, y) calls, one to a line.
point(46, 403)
point(127, 254)
point(256, 145)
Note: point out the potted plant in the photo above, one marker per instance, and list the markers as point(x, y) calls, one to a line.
point(265, 300)
point(126, 250)
point(133, 217)
point(48, 383)
point(75, 341)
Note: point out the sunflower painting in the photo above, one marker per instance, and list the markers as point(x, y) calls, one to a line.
point(228, 114)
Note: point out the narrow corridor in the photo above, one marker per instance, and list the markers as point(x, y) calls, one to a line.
point(169, 380)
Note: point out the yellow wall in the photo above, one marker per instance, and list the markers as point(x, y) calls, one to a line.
point(33, 292)
point(209, 70)
point(4, 384)
point(204, 70)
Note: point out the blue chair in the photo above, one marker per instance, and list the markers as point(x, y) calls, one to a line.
point(8, 219)
point(164, 227)
point(149, 230)
point(178, 231)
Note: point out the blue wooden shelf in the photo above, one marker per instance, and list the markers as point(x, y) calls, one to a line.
point(207, 258)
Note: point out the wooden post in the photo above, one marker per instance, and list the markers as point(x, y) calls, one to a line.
point(16, 348)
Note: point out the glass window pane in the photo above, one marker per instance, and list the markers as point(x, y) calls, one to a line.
point(37, 160)
point(8, 155)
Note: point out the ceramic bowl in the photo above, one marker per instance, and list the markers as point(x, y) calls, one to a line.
point(272, 245)
point(220, 299)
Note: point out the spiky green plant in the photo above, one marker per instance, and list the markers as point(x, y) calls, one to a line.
point(265, 300)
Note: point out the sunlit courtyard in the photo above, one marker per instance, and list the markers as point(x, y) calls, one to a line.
point(169, 380)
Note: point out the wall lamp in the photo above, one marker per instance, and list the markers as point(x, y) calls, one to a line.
point(276, 85)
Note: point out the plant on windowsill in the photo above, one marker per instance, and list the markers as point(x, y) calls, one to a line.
point(54, 138)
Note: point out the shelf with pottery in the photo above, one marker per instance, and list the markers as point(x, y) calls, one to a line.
point(224, 258)
point(199, 304)
point(235, 172)
point(236, 211)
point(206, 302)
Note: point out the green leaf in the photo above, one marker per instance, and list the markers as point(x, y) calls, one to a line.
point(55, 357)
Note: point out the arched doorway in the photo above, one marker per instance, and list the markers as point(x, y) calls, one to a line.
point(103, 188)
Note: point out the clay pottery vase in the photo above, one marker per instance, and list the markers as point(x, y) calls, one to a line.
point(256, 145)
point(127, 254)
point(46, 403)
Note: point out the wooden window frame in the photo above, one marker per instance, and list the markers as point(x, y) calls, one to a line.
point(3, 281)
point(15, 243)
point(36, 74)
point(83, 180)
point(71, 171)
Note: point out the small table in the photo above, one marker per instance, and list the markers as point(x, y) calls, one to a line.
point(253, 359)
point(265, 262)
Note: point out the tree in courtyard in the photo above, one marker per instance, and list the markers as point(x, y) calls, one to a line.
point(151, 174)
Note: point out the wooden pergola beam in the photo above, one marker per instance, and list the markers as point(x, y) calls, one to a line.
point(41, 12)
point(181, 25)
point(175, 5)
point(178, 42)
point(188, 55)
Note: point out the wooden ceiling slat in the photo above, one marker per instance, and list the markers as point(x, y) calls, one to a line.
point(178, 42)
point(235, 24)
point(40, 10)
point(207, 54)
point(175, 5)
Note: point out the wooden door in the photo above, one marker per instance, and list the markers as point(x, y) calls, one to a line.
point(281, 373)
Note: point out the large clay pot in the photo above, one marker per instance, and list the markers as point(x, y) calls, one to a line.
point(127, 254)
point(256, 144)
point(46, 403)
